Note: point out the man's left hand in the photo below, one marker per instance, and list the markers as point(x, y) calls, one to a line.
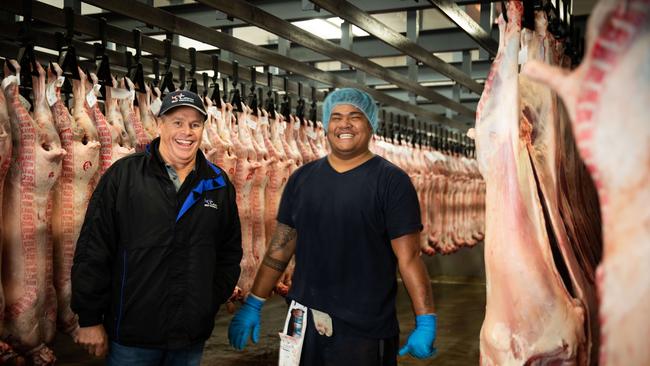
point(420, 342)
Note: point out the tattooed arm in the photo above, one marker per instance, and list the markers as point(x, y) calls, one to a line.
point(414, 273)
point(278, 254)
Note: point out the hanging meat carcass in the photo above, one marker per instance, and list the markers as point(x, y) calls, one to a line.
point(131, 117)
point(541, 123)
point(260, 181)
point(5, 160)
point(279, 171)
point(103, 129)
point(221, 139)
point(530, 316)
point(247, 164)
point(300, 136)
point(147, 118)
point(607, 97)
point(290, 135)
point(122, 144)
point(30, 313)
point(211, 152)
point(72, 191)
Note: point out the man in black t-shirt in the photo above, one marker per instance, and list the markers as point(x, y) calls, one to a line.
point(351, 219)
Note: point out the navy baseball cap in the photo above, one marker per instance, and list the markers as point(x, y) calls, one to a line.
point(181, 98)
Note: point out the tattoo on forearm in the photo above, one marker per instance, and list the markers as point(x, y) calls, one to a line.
point(274, 263)
point(282, 236)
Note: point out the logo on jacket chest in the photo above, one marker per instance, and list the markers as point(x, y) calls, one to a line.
point(210, 203)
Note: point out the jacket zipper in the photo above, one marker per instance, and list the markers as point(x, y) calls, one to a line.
point(119, 315)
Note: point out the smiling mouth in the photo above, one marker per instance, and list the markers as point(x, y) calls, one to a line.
point(345, 136)
point(184, 143)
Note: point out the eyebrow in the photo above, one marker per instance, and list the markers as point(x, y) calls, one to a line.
point(181, 120)
point(349, 114)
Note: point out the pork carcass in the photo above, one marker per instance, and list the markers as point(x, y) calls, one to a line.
point(209, 133)
point(247, 164)
point(103, 132)
point(224, 155)
point(321, 140)
point(260, 180)
point(279, 173)
point(131, 117)
point(72, 191)
point(312, 139)
point(436, 207)
point(290, 132)
point(300, 135)
point(147, 118)
point(606, 98)
point(122, 144)
point(530, 316)
point(30, 313)
point(5, 159)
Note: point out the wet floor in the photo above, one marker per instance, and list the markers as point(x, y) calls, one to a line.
point(460, 308)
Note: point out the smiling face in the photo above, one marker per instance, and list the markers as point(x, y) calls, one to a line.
point(349, 131)
point(180, 132)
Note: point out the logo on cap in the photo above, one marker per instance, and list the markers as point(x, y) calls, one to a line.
point(180, 97)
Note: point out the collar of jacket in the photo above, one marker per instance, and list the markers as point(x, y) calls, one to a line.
point(209, 176)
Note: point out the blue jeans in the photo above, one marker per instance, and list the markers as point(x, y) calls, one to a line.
point(119, 355)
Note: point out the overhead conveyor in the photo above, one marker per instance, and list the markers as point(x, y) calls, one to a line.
point(169, 22)
point(90, 26)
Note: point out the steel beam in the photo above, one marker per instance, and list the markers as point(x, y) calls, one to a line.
point(466, 23)
point(440, 40)
point(288, 10)
point(187, 28)
point(257, 17)
point(479, 70)
point(371, 25)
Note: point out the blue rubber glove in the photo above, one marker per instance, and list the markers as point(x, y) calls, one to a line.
point(420, 342)
point(246, 320)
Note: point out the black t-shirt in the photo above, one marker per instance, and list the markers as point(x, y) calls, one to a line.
point(345, 265)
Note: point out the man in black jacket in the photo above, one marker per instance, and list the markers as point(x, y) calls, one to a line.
point(159, 249)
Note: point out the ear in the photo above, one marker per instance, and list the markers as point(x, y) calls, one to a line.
point(159, 122)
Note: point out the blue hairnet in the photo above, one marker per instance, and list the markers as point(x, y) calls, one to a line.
point(355, 97)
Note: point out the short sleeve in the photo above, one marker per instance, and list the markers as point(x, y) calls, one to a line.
point(402, 210)
point(285, 211)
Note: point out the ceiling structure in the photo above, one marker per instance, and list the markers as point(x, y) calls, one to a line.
point(420, 59)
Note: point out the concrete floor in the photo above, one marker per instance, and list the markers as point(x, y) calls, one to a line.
point(460, 308)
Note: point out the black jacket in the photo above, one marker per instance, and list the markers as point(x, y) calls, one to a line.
point(154, 265)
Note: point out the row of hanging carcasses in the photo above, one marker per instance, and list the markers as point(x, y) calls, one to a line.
point(52, 158)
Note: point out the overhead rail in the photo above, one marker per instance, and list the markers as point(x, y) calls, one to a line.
point(365, 21)
point(258, 17)
point(452, 11)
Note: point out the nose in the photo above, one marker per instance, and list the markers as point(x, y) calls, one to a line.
point(345, 121)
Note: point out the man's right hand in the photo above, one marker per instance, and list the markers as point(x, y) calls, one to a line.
point(93, 339)
point(246, 323)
